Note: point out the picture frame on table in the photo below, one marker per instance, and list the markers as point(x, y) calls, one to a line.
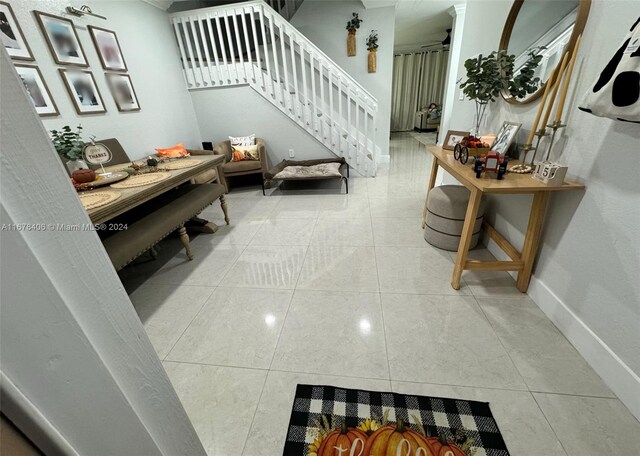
point(108, 48)
point(37, 89)
point(62, 39)
point(123, 92)
point(11, 35)
point(453, 137)
point(505, 137)
point(83, 91)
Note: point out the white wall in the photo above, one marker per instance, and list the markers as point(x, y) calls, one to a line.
point(152, 57)
point(324, 23)
point(240, 110)
point(586, 277)
point(70, 339)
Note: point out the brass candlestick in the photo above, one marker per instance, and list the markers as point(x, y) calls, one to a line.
point(555, 126)
point(539, 134)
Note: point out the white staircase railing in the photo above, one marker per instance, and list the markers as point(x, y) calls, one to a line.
point(250, 43)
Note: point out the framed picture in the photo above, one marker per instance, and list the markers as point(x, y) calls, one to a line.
point(62, 39)
point(37, 89)
point(505, 137)
point(108, 47)
point(83, 90)
point(123, 92)
point(11, 34)
point(453, 137)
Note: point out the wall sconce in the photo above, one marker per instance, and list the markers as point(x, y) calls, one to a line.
point(84, 9)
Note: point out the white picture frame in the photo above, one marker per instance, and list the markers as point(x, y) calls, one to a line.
point(505, 136)
point(83, 91)
point(37, 89)
point(11, 35)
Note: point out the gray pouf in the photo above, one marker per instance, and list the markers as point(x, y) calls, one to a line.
point(446, 208)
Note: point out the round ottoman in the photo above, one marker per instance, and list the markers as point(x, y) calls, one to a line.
point(446, 208)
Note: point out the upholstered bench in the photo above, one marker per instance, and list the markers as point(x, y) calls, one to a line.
point(151, 222)
point(446, 210)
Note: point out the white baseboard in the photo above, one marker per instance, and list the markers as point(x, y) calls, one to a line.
point(616, 374)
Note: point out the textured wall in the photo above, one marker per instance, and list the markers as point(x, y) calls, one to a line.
point(152, 57)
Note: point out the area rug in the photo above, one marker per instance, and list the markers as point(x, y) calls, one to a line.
point(330, 421)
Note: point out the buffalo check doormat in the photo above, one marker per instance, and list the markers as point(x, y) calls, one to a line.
point(330, 421)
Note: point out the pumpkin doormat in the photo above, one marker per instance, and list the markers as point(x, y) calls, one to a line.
point(330, 421)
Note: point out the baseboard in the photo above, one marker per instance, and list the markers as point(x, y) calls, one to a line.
point(616, 374)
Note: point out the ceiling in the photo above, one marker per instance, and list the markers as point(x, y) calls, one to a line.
point(420, 22)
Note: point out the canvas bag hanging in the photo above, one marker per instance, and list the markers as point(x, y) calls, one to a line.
point(616, 93)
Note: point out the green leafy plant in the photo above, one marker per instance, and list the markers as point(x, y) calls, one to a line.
point(354, 23)
point(68, 143)
point(372, 40)
point(490, 75)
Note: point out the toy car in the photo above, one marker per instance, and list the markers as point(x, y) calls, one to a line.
point(470, 145)
point(493, 161)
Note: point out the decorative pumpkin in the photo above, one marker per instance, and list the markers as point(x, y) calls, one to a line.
point(339, 441)
point(443, 447)
point(82, 176)
point(397, 439)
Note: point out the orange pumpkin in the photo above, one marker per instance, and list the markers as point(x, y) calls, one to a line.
point(339, 441)
point(444, 447)
point(397, 439)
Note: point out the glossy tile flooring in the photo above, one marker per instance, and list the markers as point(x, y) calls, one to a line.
point(323, 288)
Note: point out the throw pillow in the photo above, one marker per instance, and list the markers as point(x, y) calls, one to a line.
point(173, 152)
point(249, 140)
point(241, 153)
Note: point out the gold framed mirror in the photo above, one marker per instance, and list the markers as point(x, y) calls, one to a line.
point(546, 26)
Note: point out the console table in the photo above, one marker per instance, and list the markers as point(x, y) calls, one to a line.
point(522, 262)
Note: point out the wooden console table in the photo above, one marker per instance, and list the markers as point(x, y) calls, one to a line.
point(511, 184)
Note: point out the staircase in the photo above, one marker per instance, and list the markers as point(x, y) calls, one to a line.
point(250, 43)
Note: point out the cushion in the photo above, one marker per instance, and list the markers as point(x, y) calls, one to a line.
point(302, 172)
point(240, 153)
point(249, 140)
point(172, 152)
point(241, 166)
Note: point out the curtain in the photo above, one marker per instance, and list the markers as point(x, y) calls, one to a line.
point(418, 80)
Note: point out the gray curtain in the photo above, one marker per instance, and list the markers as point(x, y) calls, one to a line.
point(418, 80)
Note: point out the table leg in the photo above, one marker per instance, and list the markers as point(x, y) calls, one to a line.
point(532, 238)
point(223, 205)
point(432, 183)
point(465, 238)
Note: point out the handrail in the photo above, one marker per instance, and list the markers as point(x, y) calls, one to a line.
point(283, 24)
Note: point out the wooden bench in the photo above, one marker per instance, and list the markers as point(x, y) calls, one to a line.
point(151, 222)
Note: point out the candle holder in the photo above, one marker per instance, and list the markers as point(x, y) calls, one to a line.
point(523, 168)
point(555, 126)
point(539, 134)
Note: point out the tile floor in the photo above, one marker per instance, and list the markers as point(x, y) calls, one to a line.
point(324, 288)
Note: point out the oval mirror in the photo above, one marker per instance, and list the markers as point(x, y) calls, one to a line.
point(547, 27)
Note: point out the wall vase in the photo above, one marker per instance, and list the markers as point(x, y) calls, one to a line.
point(372, 63)
point(351, 44)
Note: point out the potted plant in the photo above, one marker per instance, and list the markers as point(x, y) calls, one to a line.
point(69, 145)
point(372, 46)
point(352, 26)
point(489, 75)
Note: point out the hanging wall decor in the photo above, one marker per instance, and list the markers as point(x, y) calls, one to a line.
point(372, 46)
point(108, 48)
point(62, 39)
point(37, 90)
point(83, 91)
point(123, 92)
point(352, 25)
point(11, 34)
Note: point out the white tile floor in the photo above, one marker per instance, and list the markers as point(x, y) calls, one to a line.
point(334, 289)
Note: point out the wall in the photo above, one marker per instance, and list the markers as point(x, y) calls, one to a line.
point(79, 374)
point(240, 110)
point(152, 57)
point(324, 23)
point(586, 278)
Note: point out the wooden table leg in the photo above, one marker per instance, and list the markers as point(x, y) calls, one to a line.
point(223, 205)
point(465, 238)
point(432, 183)
point(532, 238)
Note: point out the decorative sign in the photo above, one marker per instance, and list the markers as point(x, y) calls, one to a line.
point(550, 172)
point(96, 154)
